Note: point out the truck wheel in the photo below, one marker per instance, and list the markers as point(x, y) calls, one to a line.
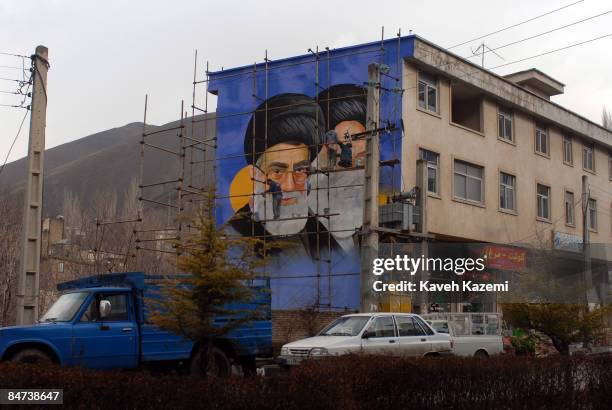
point(32, 356)
point(219, 365)
point(481, 353)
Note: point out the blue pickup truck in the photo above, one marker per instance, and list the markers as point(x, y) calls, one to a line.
point(100, 322)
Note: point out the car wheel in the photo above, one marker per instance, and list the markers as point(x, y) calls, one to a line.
point(218, 365)
point(482, 354)
point(32, 356)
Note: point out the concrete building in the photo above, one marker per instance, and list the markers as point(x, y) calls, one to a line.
point(504, 166)
point(506, 162)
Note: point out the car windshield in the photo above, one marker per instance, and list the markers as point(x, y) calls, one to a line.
point(65, 307)
point(345, 326)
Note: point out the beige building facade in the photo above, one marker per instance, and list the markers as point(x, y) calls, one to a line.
point(505, 162)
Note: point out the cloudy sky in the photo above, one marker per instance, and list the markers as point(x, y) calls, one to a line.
point(106, 55)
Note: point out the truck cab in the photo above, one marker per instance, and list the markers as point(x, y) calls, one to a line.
point(100, 322)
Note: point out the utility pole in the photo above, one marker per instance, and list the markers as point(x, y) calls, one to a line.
point(586, 247)
point(369, 240)
point(421, 178)
point(28, 285)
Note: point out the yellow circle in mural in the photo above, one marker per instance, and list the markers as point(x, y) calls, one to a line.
point(241, 188)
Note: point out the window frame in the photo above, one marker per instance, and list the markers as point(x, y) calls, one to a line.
point(95, 300)
point(588, 147)
point(573, 207)
point(548, 207)
point(417, 326)
point(433, 166)
point(504, 188)
point(373, 321)
point(482, 182)
point(433, 84)
point(568, 141)
point(426, 328)
point(506, 114)
point(539, 131)
point(592, 218)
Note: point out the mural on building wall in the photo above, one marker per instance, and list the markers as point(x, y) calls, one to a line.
point(290, 165)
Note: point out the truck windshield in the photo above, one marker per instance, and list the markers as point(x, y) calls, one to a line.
point(65, 307)
point(346, 326)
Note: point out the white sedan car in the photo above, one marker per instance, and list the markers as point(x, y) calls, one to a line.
point(396, 334)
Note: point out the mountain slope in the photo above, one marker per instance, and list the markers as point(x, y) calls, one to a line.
point(104, 162)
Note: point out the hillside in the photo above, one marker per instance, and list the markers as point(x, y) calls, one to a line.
point(103, 162)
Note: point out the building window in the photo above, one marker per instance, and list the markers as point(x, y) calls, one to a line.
point(543, 201)
point(569, 208)
point(588, 160)
point(433, 159)
point(428, 92)
point(60, 267)
point(541, 140)
point(468, 182)
point(466, 107)
point(505, 124)
point(610, 167)
point(568, 156)
point(592, 214)
point(507, 185)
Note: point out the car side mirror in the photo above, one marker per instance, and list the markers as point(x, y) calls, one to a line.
point(368, 334)
point(105, 308)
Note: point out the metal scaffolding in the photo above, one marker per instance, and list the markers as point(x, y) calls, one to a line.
point(197, 162)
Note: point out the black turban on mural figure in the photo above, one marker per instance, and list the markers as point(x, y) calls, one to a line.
point(292, 118)
point(343, 102)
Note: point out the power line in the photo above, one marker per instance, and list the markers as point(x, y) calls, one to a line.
point(223, 77)
point(13, 106)
point(14, 141)
point(466, 74)
point(552, 51)
point(544, 33)
point(471, 73)
point(514, 25)
point(12, 54)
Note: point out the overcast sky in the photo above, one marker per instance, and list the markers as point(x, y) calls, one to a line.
point(105, 55)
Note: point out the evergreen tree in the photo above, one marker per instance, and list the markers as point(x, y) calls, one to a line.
point(219, 270)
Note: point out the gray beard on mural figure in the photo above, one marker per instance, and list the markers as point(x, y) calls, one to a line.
point(345, 199)
point(263, 211)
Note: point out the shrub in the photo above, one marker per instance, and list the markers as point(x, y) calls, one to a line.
point(349, 382)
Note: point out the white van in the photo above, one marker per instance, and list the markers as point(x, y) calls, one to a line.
point(396, 334)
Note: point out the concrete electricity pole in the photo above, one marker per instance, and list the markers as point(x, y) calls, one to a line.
point(28, 285)
point(369, 240)
point(586, 246)
point(421, 178)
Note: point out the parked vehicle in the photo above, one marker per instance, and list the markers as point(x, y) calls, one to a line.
point(394, 334)
point(100, 322)
point(474, 334)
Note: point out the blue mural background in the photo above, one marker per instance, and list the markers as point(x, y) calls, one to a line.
point(294, 283)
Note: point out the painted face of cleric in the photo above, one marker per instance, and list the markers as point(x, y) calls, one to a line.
point(287, 165)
